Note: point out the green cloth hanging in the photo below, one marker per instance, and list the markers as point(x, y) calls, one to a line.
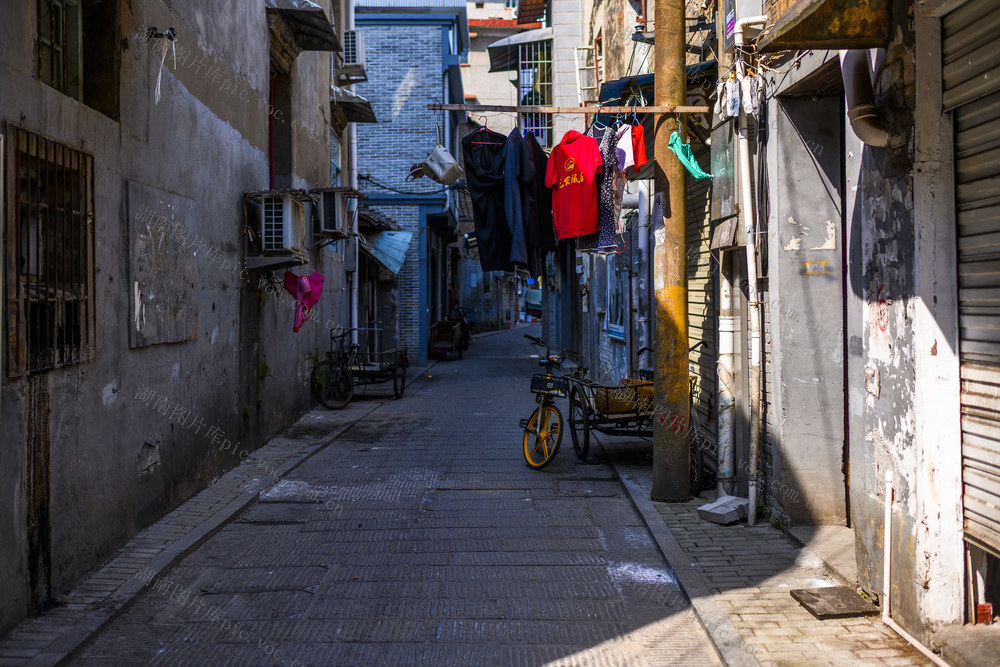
point(686, 156)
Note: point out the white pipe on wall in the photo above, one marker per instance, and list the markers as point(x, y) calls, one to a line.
point(746, 215)
point(353, 166)
point(726, 408)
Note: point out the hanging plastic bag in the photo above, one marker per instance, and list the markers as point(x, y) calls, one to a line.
point(686, 156)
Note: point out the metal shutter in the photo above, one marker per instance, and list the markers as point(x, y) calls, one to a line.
point(701, 308)
point(971, 40)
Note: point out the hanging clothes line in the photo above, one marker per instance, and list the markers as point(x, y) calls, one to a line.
point(566, 110)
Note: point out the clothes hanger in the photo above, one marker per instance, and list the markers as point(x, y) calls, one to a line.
point(484, 128)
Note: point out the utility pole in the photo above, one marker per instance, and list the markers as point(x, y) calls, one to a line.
point(671, 424)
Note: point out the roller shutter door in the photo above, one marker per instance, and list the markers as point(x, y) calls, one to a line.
point(971, 74)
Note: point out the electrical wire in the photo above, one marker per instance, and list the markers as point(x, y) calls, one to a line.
point(367, 177)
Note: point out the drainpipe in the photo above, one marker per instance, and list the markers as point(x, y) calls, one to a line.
point(746, 213)
point(726, 410)
point(865, 120)
point(353, 151)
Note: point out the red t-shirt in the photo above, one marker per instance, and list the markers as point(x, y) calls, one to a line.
point(638, 146)
point(571, 173)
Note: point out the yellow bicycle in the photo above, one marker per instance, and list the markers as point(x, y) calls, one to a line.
point(544, 428)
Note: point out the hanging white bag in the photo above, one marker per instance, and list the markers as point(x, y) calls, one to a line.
point(442, 167)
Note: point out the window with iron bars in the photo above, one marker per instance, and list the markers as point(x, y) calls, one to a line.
point(50, 253)
point(534, 88)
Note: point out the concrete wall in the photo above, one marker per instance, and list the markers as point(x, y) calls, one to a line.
point(805, 300)
point(901, 329)
point(205, 141)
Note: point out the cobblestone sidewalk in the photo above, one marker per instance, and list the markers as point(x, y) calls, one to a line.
point(739, 577)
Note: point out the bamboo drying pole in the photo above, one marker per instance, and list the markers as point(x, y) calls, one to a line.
point(566, 110)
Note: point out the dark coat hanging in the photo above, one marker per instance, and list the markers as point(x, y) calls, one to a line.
point(483, 151)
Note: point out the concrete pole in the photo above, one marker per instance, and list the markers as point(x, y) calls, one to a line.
point(671, 424)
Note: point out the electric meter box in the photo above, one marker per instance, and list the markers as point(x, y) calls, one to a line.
point(733, 11)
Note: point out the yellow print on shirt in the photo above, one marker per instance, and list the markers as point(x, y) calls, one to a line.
point(572, 178)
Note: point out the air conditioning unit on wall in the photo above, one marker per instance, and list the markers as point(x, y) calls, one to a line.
point(336, 212)
point(354, 49)
point(283, 226)
point(352, 63)
point(275, 225)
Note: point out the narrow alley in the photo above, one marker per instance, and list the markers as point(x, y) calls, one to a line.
point(418, 536)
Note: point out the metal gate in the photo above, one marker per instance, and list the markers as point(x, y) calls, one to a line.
point(971, 74)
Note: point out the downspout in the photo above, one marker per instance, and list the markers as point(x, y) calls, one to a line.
point(753, 307)
point(865, 120)
point(353, 150)
point(726, 409)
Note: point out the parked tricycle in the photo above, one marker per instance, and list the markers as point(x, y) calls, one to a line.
point(450, 335)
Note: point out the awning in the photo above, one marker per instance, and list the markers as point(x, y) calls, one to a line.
point(356, 108)
point(309, 23)
point(387, 248)
point(504, 53)
point(530, 11)
point(828, 24)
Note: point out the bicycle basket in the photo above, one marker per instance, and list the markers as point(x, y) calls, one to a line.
point(553, 386)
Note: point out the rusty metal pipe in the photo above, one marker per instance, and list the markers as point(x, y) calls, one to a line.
point(865, 119)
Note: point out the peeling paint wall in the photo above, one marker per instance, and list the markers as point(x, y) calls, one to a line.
point(135, 432)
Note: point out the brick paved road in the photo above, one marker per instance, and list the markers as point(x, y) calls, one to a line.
point(420, 537)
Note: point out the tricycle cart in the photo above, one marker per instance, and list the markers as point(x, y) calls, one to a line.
point(357, 364)
point(450, 335)
point(624, 409)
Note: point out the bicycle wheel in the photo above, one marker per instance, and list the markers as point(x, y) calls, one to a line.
point(579, 423)
point(331, 384)
point(398, 379)
point(542, 436)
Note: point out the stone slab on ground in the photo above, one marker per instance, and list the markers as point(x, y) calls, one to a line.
point(725, 510)
point(833, 602)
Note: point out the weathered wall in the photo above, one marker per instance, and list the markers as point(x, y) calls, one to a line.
point(805, 306)
point(204, 141)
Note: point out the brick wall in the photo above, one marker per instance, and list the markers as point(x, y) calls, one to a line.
point(405, 76)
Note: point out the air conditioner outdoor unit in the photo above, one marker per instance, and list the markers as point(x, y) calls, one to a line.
point(354, 49)
point(336, 213)
point(282, 228)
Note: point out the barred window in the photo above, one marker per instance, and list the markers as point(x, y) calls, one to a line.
point(50, 253)
point(534, 88)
